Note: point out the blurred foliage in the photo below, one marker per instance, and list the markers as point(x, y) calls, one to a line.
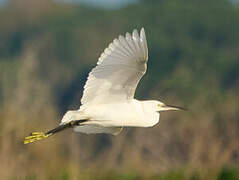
point(46, 52)
point(231, 173)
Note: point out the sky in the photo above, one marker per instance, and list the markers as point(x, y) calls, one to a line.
point(2, 1)
point(106, 4)
point(102, 3)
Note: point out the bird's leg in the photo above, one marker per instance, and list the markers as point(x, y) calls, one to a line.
point(35, 136)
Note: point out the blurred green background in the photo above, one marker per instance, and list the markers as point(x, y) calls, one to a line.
point(47, 49)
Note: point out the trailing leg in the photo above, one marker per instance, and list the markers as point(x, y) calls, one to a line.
point(35, 136)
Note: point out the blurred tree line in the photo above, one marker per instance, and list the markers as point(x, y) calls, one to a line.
point(48, 48)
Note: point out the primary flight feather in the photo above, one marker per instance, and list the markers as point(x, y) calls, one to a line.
point(108, 102)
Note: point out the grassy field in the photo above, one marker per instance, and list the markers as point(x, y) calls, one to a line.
point(226, 173)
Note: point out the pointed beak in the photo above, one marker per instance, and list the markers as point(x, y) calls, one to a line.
point(171, 108)
point(175, 108)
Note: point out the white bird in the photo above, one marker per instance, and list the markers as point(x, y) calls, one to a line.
point(108, 102)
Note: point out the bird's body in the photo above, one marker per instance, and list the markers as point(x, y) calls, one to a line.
point(128, 114)
point(132, 113)
point(108, 102)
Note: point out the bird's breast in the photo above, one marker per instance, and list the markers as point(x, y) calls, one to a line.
point(120, 115)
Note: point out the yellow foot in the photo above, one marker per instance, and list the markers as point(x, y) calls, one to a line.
point(35, 136)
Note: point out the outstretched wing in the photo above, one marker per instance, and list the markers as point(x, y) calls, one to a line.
point(118, 70)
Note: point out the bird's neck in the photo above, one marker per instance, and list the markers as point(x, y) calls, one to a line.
point(151, 117)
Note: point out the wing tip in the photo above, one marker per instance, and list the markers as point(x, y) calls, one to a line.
point(135, 31)
point(135, 34)
point(142, 32)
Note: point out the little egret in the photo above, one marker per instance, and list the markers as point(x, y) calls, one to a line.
point(108, 102)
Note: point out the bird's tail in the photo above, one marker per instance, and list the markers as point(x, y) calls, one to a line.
point(35, 136)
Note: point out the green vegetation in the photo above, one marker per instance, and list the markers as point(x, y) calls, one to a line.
point(224, 174)
point(46, 52)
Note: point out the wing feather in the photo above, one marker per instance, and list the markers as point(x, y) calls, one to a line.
point(118, 71)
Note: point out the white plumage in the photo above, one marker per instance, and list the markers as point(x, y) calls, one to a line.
point(108, 102)
point(108, 98)
point(118, 70)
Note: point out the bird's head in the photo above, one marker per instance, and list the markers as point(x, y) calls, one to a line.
point(159, 106)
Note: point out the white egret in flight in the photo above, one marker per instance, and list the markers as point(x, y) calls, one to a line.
point(108, 102)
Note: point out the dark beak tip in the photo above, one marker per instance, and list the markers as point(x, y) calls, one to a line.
point(183, 109)
point(179, 108)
